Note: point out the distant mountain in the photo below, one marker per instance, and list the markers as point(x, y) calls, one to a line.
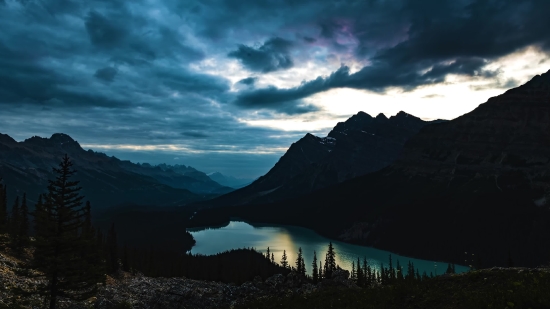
point(474, 190)
point(26, 167)
point(360, 145)
point(230, 181)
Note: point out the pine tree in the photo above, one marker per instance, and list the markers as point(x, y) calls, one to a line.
point(23, 235)
point(3, 209)
point(330, 261)
point(58, 244)
point(360, 276)
point(321, 274)
point(314, 271)
point(15, 223)
point(449, 269)
point(391, 270)
point(272, 258)
point(284, 261)
point(366, 272)
point(353, 273)
point(399, 271)
point(300, 264)
point(267, 255)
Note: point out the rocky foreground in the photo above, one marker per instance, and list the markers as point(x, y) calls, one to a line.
point(125, 290)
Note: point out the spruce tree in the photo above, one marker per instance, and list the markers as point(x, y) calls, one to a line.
point(59, 245)
point(300, 265)
point(366, 272)
point(330, 261)
point(360, 276)
point(353, 276)
point(3, 209)
point(272, 258)
point(399, 271)
point(267, 255)
point(321, 274)
point(314, 271)
point(23, 235)
point(15, 223)
point(284, 261)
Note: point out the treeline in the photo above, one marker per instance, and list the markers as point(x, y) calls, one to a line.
point(362, 273)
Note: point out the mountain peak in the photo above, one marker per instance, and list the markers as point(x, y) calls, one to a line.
point(61, 137)
point(6, 139)
point(381, 117)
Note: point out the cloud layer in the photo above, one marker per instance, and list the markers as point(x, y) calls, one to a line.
point(195, 74)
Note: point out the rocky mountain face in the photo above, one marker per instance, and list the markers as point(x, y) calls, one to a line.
point(358, 146)
point(478, 184)
point(26, 167)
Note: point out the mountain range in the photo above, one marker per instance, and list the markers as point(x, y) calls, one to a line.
point(360, 145)
point(26, 167)
point(473, 188)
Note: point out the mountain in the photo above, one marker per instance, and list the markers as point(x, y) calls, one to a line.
point(26, 167)
point(230, 181)
point(474, 190)
point(360, 145)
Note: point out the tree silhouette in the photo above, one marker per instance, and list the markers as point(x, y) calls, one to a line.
point(314, 269)
point(284, 260)
point(3, 209)
point(58, 244)
point(330, 261)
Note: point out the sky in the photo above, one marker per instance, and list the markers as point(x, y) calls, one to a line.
point(229, 85)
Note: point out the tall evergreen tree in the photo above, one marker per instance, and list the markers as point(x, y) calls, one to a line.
point(58, 244)
point(366, 272)
point(268, 255)
point(272, 258)
point(353, 276)
point(300, 264)
point(330, 261)
point(15, 223)
point(3, 209)
point(284, 260)
point(321, 274)
point(399, 271)
point(23, 236)
point(391, 270)
point(314, 269)
point(360, 276)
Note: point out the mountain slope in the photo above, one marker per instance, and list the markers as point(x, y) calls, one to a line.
point(106, 181)
point(358, 146)
point(478, 184)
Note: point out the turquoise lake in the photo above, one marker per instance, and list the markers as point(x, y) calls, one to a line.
point(280, 237)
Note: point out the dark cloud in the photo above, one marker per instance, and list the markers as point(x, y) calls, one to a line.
point(195, 134)
point(106, 74)
point(249, 81)
point(273, 55)
point(105, 33)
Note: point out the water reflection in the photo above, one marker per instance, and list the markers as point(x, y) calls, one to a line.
point(290, 238)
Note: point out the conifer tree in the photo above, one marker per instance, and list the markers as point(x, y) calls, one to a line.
point(353, 276)
point(321, 274)
point(399, 271)
point(391, 270)
point(58, 244)
point(418, 278)
point(15, 223)
point(360, 276)
point(3, 209)
point(23, 235)
point(284, 261)
point(366, 272)
point(300, 264)
point(330, 262)
point(268, 255)
point(314, 269)
point(449, 269)
point(272, 258)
